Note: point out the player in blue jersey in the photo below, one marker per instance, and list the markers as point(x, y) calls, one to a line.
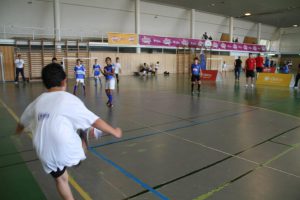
point(97, 72)
point(196, 74)
point(109, 74)
point(79, 71)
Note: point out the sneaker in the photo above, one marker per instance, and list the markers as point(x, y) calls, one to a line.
point(246, 85)
point(110, 105)
point(16, 82)
point(96, 133)
point(252, 85)
point(295, 87)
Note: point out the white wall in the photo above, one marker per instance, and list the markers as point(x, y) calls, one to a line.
point(290, 40)
point(93, 17)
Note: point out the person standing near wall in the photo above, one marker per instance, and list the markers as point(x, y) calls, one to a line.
point(117, 67)
point(237, 68)
point(19, 69)
point(297, 77)
point(224, 68)
point(259, 63)
point(250, 70)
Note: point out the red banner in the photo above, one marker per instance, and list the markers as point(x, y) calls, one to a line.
point(269, 70)
point(209, 75)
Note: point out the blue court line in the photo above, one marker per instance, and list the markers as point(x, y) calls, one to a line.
point(171, 129)
point(129, 175)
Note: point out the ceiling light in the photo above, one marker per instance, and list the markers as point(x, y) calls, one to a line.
point(212, 4)
point(247, 14)
point(295, 25)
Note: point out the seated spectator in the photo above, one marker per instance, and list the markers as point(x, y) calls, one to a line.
point(210, 38)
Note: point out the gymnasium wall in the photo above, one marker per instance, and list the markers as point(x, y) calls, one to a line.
point(290, 40)
point(8, 62)
point(96, 17)
point(132, 62)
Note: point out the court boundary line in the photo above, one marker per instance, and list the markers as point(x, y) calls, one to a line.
point(128, 174)
point(115, 141)
point(229, 156)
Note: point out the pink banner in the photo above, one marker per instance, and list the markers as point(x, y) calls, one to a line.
point(150, 40)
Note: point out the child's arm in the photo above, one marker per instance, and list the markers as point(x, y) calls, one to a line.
point(103, 126)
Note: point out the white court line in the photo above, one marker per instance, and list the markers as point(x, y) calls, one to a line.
point(223, 152)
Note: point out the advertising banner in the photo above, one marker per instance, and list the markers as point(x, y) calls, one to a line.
point(283, 80)
point(122, 38)
point(150, 40)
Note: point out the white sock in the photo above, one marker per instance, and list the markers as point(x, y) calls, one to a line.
point(97, 133)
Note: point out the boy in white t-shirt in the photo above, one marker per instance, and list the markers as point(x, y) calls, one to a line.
point(117, 67)
point(19, 69)
point(54, 122)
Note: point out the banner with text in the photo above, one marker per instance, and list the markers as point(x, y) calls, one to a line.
point(209, 75)
point(122, 38)
point(150, 40)
point(283, 80)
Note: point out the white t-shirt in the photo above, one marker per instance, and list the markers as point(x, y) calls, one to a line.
point(19, 63)
point(156, 66)
point(54, 118)
point(117, 68)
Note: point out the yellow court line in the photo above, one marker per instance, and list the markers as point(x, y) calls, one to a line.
point(72, 181)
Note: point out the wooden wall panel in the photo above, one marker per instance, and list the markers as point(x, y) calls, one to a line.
point(132, 62)
point(8, 62)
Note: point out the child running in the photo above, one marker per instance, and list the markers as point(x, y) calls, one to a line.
point(109, 73)
point(97, 72)
point(79, 71)
point(53, 121)
point(196, 74)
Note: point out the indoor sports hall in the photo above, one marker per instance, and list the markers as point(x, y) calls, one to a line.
point(205, 93)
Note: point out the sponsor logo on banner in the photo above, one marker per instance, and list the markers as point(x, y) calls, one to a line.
point(123, 38)
point(167, 41)
point(209, 75)
point(223, 45)
point(235, 46)
point(274, 79)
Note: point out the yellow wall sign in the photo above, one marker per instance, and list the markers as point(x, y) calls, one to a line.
point(123, 38)
point(283, 80)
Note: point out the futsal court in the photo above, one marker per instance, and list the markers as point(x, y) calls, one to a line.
point(227, 142)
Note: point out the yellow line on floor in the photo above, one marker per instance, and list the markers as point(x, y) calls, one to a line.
point(72, 181)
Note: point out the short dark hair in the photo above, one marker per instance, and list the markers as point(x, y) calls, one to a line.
point(54, 58)
point(52, 75)
point(196, 58)
point(107, 58)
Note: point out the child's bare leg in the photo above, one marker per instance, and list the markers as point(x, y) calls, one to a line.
point(63, 187)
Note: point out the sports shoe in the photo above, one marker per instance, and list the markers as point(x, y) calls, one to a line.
point(110, 105)
point(96, 133)
point(252, 85)
point(246, 85)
